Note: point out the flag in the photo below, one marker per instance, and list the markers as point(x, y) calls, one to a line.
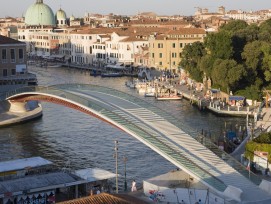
point(248, 165)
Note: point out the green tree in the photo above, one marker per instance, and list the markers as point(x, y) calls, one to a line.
point(265, 30)
point(191, 56)
point(219, 45)
point(257, 56)
point(234, 25)
point(206, 65)
point(227, 73)
point(241, 37)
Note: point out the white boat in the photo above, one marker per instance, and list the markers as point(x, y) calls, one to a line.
point(117, 66)
point(169, 97)
point(150, 94)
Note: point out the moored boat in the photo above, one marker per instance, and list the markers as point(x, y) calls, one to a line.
point(169, 97)
point(111, 74)
point(54, 65)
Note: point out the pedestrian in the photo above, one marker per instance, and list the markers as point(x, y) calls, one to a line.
point(133, 188)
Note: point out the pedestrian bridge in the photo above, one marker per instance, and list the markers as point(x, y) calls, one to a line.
point(160, 131)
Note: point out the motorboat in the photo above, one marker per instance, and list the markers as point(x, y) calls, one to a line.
point(168, 97)
point(54, 65)
point(150, 94)
point(117, 66)
point(111, 74)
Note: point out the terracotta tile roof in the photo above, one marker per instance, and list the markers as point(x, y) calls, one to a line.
point(105, 198)
point(6, 40)
point(183, 31)
point(95, 31)
point(134, 38)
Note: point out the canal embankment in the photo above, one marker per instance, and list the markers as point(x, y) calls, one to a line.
point(15, 113)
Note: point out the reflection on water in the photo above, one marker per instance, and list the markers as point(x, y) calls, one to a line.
point(71, 138)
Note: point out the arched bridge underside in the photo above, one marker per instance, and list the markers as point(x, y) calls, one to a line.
point(163, 133)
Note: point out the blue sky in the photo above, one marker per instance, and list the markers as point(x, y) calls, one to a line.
point(130, 7)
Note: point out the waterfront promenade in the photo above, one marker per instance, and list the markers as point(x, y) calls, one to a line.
point(215, 105)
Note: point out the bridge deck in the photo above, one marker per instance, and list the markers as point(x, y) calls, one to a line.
point(166, 136)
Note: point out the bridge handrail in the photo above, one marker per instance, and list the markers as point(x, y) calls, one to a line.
point(208, 144)
point(179, 157)
point(229, 159)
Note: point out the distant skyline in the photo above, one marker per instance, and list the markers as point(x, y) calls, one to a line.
point(131, 7)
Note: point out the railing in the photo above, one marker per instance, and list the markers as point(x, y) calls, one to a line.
point(164, 147)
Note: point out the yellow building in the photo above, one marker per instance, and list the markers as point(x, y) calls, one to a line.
point(165, 49)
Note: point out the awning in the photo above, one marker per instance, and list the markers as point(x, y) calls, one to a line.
point(236, 98)
point(215, 90)
point(94, 174)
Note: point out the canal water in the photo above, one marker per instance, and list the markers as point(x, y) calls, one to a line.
point(75, 140)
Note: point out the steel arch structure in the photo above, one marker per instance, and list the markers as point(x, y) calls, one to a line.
point(195, 155)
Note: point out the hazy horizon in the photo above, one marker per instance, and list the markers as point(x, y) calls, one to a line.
point(131, 7)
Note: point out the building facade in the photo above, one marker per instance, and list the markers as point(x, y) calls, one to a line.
point(166, 49)
point(13, 66)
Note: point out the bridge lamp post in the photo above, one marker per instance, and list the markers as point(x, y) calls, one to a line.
point(125, 159)
point(116, 157)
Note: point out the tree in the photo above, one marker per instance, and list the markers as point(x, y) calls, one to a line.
point(265, 30)
point(234, 26)
point(257, 56)
point(227, 73)
point(220, 45)
point(206, 64)
point(191, 56)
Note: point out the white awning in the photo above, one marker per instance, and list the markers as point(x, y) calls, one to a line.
point(94, 174)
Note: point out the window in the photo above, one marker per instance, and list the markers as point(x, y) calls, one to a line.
point(12, 55)
point(181, 45)
point(160, 45)
point(161, 63)
point(21, 54)
point(13, 71)
point(173, 55)
point(152, 55)
point(180, 54)
point(5, 72)
point(173, 45)
point(160, 55)
point(4, 55)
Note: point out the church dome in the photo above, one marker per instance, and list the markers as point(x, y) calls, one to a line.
point(61, 15)
point(39, 14)
point(72, 18)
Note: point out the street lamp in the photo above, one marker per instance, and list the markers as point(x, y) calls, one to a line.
point(125, 159)
point(116, 157)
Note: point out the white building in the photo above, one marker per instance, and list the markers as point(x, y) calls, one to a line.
point(123, 46)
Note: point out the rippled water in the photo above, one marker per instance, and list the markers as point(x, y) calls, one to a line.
point(76, 140)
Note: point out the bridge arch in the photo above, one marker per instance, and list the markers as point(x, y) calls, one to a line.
point(153, 127)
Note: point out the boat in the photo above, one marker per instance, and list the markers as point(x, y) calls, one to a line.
point(94, 73)
point(111, 74)
point(54, 65)
point(117, 66)
point(150, 94)
point(169, 97)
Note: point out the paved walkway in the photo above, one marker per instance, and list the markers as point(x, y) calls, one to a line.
point(10, 118)
point(264, 121)
point(198, 98)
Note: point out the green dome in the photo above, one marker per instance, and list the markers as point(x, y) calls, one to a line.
point(60, 15)
point(39, 14)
